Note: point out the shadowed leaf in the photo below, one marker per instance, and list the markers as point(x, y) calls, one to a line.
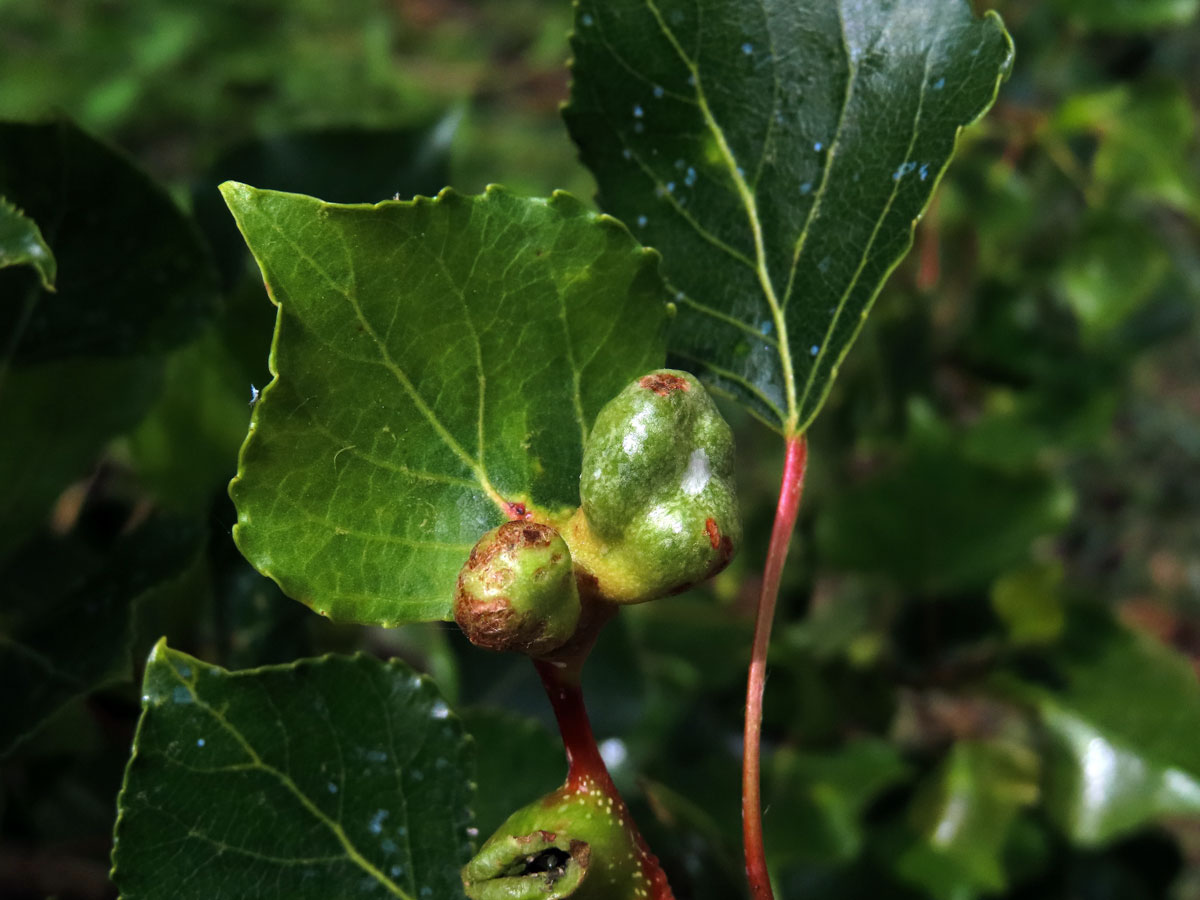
point(67, 616)
point(81, 365)
point(778, 155)
point(330, 777)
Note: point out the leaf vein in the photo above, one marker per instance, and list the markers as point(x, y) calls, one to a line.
point(866, 254)
point(285, 780)
point(397, 372)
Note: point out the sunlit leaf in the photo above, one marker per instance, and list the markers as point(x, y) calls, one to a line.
point(1124, 723)
point(343, 165)
point(438, 363)
point(1029, 601)
point(963, 814)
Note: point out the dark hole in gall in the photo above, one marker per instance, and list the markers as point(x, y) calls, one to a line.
point(551, 861)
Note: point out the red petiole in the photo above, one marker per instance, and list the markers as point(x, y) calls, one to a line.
point(790, 491)
point(585, 766)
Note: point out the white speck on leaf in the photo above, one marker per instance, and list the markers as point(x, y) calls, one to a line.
point(376, 824)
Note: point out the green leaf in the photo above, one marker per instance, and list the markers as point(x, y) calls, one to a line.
point(825, 795)
point(67, 617)
point(81, 365)
point(436, 361)
point(22, 244)
point(1110, 273)
point(1128, 15)
point(939, 522)
point(963, 815)
point(1123, 726)
point(1146, 133)
point(331, 777)
point(1029, 602)
point(186, 446)
point(778, 156)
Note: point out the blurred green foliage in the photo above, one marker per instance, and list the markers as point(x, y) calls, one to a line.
point(983, 679)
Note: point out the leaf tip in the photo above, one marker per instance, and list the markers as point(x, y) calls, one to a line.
point(993, 18)
point(158, 653)
point(235, 193)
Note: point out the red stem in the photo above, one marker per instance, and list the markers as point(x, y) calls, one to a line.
point(585, 765)
point(790, 491)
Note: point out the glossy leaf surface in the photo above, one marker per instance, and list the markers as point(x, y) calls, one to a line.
point(22, 244)
point(1124, 728)
point(962, 815)
point(778, 155)
point(438, 362)
point(330, 777)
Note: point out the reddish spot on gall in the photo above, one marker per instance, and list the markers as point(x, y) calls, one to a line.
point(714, 533)
point(663, 384)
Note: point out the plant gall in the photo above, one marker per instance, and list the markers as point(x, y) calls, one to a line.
point(517, 590)
point(659, 509)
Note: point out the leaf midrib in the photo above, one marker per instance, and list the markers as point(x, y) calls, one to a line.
point(796, 401)
point(476, 467)
point(751, 206)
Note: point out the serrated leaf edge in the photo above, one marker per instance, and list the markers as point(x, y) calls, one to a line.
point(158, 655)
point(566, 204)
point(791, 425)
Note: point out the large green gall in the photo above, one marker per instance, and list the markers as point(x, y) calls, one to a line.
point(659, 508)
